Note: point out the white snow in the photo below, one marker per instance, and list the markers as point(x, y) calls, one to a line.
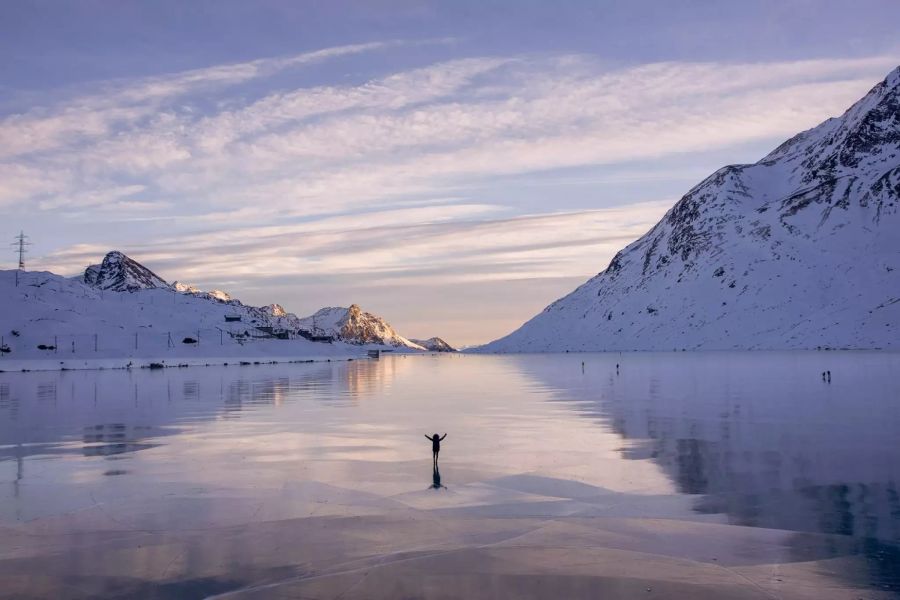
point(89, 325)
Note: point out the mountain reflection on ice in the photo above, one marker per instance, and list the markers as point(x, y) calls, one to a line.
point(200, 481)
point(759, 437)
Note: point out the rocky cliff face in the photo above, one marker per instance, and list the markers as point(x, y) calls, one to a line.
point(799, 250)
point(434, 344)
point(119, 273)
point(178, 286)
point(354, 326)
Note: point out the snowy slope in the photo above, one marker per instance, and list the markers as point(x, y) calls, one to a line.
point(121, 310)
point(353, 326)
point(76, 323)
point(799, 250)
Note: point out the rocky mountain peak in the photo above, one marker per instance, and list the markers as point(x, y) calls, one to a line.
point(185, 288)
point(864, 128)
point(798, 250)
point(275, 310)
point(120, 273)
point(355, 326)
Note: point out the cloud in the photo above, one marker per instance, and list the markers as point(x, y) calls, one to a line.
point(21, 182)
point(376, 182)
point(437, 244)
point(424, 131)
point(80, 119)
point(101, 198)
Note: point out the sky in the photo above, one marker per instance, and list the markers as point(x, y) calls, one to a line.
point(451, 166)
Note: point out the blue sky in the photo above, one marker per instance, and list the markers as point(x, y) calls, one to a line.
point(453, 166)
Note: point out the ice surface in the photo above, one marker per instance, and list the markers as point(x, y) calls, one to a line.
point(693, 475)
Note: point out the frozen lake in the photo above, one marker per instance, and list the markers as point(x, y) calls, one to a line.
point(687, 475)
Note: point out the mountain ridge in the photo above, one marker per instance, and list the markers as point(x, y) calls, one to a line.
point(354, 326)
point(120, 273)
point(796, 250)
point(121, 306)
point(434, 344)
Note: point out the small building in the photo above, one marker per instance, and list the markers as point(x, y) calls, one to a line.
point(232, 318)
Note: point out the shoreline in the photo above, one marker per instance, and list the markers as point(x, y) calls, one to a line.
point(29, 365)
point(157, 362)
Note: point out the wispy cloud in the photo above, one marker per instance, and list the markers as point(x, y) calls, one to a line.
point(126, 103)
point(315, 149)
point(455, 243)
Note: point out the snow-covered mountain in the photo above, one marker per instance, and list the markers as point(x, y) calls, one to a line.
point(67, 323)
point(353, 326)
point(119, 273)
point(120, 309)
point(434, 344)
point(798, 250)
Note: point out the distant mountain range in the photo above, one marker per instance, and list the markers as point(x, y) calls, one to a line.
point(120, 273)
point(798, 250)
point(120, 308)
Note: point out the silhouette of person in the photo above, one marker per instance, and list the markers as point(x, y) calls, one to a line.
point(435, 446)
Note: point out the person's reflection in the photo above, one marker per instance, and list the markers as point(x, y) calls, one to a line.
point(436, 479)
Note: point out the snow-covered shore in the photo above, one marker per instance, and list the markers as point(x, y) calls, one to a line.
point(257, 356)
point(50, 322)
